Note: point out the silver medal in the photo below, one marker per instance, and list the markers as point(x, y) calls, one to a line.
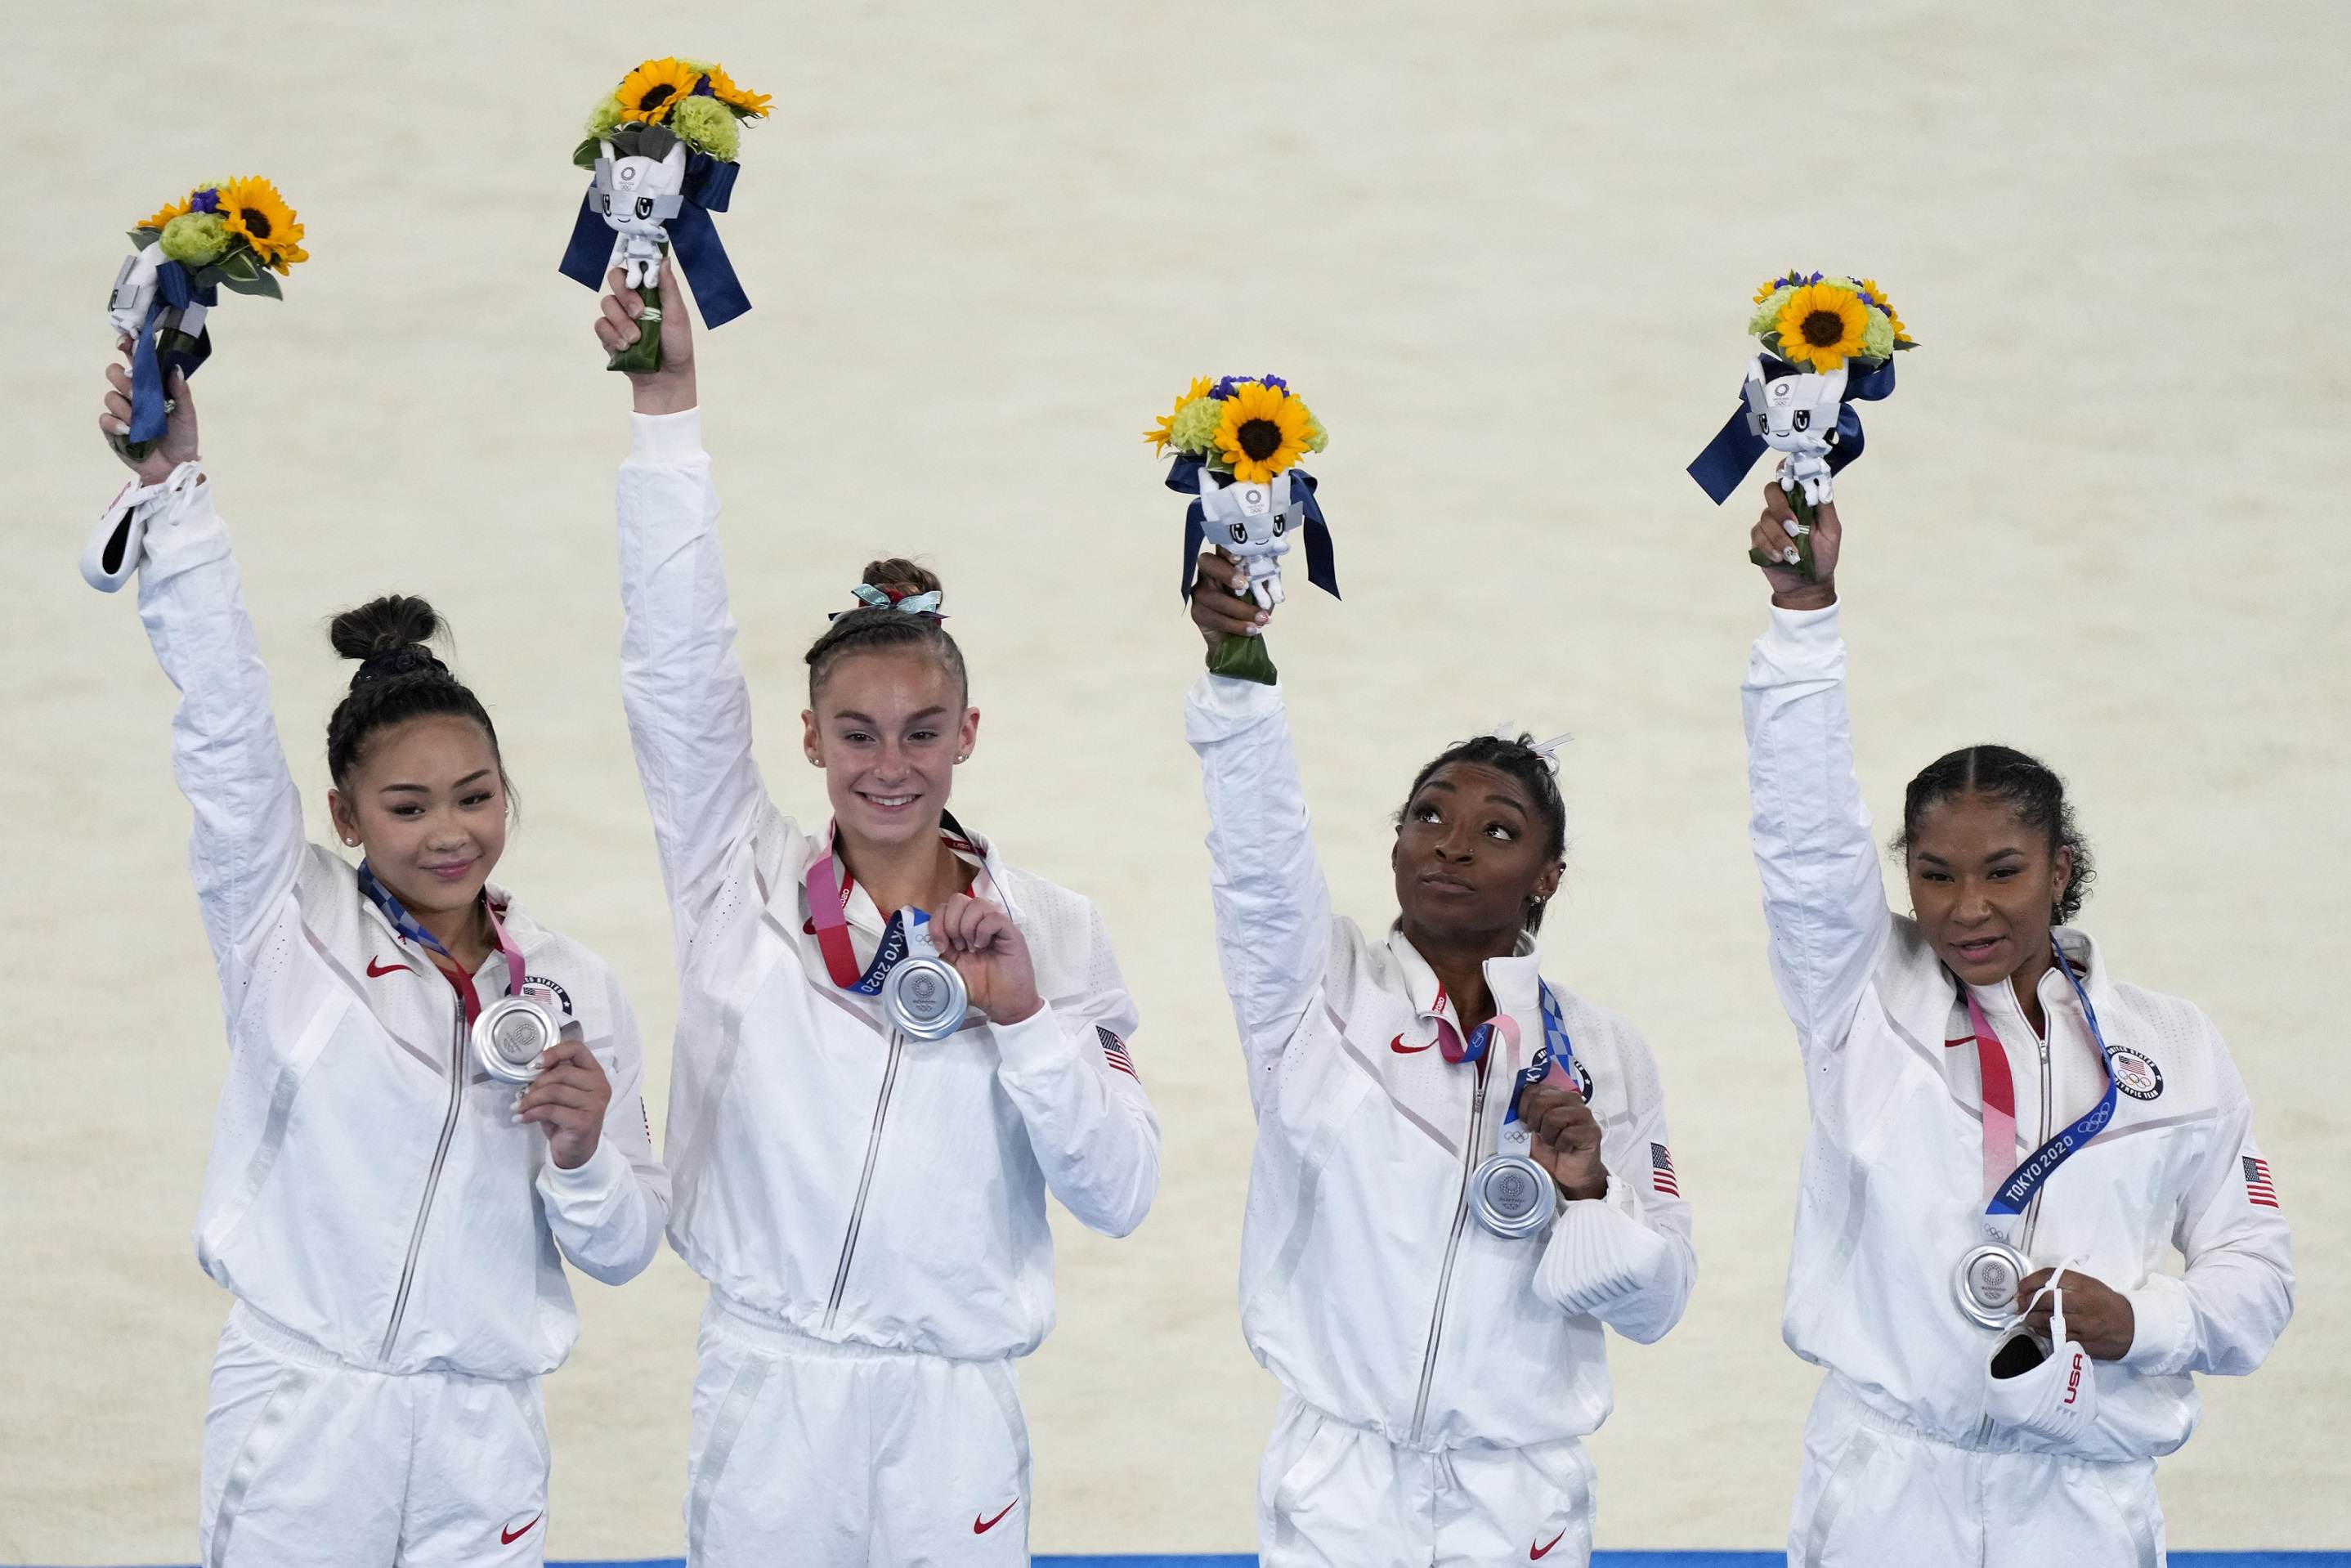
point(1512, 1196)
point(1986, 1281)
point(925, 998)
point(509, 1036)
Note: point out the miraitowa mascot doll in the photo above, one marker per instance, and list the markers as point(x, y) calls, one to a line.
point(1238, 441)
point(1827, 344)
point(661, 147)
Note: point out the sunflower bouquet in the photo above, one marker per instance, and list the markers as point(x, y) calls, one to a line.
point(1828, 342)
point(1238, 443)
point(237, 234)
point(662, 146)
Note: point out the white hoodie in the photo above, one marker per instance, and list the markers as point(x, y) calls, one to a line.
point(368, 1189)
point(833, 1175)
point(1893, 1192)
point(1366, 1286)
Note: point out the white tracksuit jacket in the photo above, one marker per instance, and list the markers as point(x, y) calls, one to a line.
point(1366, 1287)
point(832, 1176)
point(1893, 1172)
point(368, 1190)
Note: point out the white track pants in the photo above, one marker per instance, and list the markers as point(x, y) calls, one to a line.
point(1875, 1491)
point(1329, 1495)
point(834, 1456)
point(308, 1461)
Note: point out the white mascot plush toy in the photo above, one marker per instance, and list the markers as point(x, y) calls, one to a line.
point(1253, 520)
point(636, 196)
point(1796, 415)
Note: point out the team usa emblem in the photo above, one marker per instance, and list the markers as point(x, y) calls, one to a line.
point(2137, 1075)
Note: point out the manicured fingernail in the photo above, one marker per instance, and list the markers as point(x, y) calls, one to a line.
point(1255, 630)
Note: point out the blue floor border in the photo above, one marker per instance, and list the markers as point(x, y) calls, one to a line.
point(1599, 1560)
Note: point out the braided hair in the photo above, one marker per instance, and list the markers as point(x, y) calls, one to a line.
point(398, 679)
point(1520, 760)
point(873, 629)
point(2022, 782)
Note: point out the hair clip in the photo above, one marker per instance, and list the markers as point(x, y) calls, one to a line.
point(898, 598)
point(1546, 749)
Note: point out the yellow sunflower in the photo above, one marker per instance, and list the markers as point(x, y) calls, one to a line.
point(1158, 435)
point(742, 100)
point(255, 211)
point(648, 93)
point(164, 215)
point(1821, 324)
point(1263, 431)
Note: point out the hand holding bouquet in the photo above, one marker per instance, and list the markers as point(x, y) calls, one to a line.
point(227, 233)
point(1238, 441)
point(1827, 342)
point(662, 146)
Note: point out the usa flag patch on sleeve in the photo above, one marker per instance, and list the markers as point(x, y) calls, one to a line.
point(1114, 1053)
point(2258, 1186)
point(1661, 1171)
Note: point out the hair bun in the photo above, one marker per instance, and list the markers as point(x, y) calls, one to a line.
point(383, 625)
point(898, 578)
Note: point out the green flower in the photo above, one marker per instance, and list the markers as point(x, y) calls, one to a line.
point(1877, 337)
point(1317, 438)
point(605, 118)
point(706, 125)
point(195, 239)
point(1195, 429)
point(1767, 314)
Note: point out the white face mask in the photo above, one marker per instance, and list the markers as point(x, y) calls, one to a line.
point(2029, 1387)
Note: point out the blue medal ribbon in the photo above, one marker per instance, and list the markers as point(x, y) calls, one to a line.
point(709, 186)
point(1322, 571)
point(174, 290)
point(395, 912)
point(2025, 1181)
point(1722, 467)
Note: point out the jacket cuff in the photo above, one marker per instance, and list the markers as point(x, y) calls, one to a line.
point(589, 1185)
point(1597, 1255)
point(2163, 1327)
point(1036, 1044)
point(666, 440)
point(181, 530)
point(1218, 706)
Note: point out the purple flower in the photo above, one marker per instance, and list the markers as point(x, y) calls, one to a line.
point(204, 201)
point(1223, 390)
point(702, 87)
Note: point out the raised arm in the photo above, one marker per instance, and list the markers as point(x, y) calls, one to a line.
point(246, 847)
point(681, 683)
point(1823, 898)
point(1273, 905)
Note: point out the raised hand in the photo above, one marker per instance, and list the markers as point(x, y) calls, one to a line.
point(1773, 537)
point(671, 389)
point(1566, 1139)
point(988, 951)
point(1219, 607)
point(568, 1098)
point(179, 442)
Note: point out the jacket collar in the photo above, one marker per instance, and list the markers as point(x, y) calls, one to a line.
point(1515, 980)
point(1920, 993)
point(861, 911)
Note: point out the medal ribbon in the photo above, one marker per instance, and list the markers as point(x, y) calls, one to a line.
point(1555, 1057)
point(2012, 1193)
point(906, 936)
point(406, 923)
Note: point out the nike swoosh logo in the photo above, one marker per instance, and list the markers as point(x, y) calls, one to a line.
point(1401, 1049)
point(1537, 1554)
point(377, 970)
point(979, 1528)
point(508, 1537)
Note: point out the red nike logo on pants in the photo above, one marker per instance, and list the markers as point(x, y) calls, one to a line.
point(377, 970)
point(1537, 1554)
point(508, 1537)
point(979, 1528)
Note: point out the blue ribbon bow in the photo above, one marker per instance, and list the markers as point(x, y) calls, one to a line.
point(709, 185)
point(1723, 466)
point(1183, 478)
point(174, 290)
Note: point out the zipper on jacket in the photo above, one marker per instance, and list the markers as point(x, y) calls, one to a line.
point(865, 1180)
point(1453, 1246)
point(432, 1179)
point(2032, 1209)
